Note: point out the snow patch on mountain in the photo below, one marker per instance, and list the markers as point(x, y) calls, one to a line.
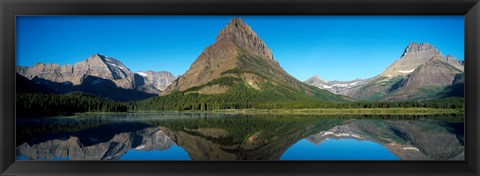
point(406, 71)
point(142, 74)
point(326, 86)
point(342, 134)
point(115, 65)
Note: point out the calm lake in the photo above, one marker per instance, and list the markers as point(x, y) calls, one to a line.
point(208, 136)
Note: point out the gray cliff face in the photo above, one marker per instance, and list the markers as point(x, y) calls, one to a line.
point(160, 80)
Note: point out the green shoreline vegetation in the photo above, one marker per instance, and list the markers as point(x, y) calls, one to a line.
point(316, 111)
point(334, 111)
point(37, 105)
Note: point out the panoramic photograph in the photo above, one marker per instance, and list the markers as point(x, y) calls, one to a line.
point(225, 88)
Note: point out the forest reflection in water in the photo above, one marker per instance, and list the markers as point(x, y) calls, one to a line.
point(212, 136)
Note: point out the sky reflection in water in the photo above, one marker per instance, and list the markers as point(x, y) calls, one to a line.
point(187, 136)
point(338, 149)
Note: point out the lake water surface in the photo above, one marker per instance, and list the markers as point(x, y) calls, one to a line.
point(207, 136)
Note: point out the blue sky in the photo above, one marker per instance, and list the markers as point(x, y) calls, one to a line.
point(333, 47)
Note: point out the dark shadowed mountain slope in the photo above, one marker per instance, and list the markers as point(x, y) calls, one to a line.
point(24, 85)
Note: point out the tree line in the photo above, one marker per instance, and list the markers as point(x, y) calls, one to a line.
point(38, 104)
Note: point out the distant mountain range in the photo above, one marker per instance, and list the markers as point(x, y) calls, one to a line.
point(336, 87)
point(98, 75)
point(240, 64)
point(421, 73)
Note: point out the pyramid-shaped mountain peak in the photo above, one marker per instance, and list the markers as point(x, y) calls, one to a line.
point(238, 21)
point(237, 47)
point(96, 58)
point(240, 63)
point(242, 35)
point(102, 59)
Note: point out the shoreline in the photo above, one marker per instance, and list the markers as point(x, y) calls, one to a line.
point(349, 111)
point(322, 111)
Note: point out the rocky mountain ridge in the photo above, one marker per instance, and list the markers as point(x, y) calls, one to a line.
point(415, 55)
point(386, 85)
point(98, 75)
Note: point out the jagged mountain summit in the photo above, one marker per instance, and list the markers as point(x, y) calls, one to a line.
point(96, 65)
point(415, 55)
point(240, 58)
point(98, 75)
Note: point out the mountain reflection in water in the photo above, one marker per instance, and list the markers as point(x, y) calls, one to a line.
point(206, 136)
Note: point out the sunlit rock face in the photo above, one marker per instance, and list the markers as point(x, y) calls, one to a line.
point(96, 65)
point(98, 75)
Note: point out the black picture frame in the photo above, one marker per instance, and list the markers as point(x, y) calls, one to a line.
point(11, 8)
